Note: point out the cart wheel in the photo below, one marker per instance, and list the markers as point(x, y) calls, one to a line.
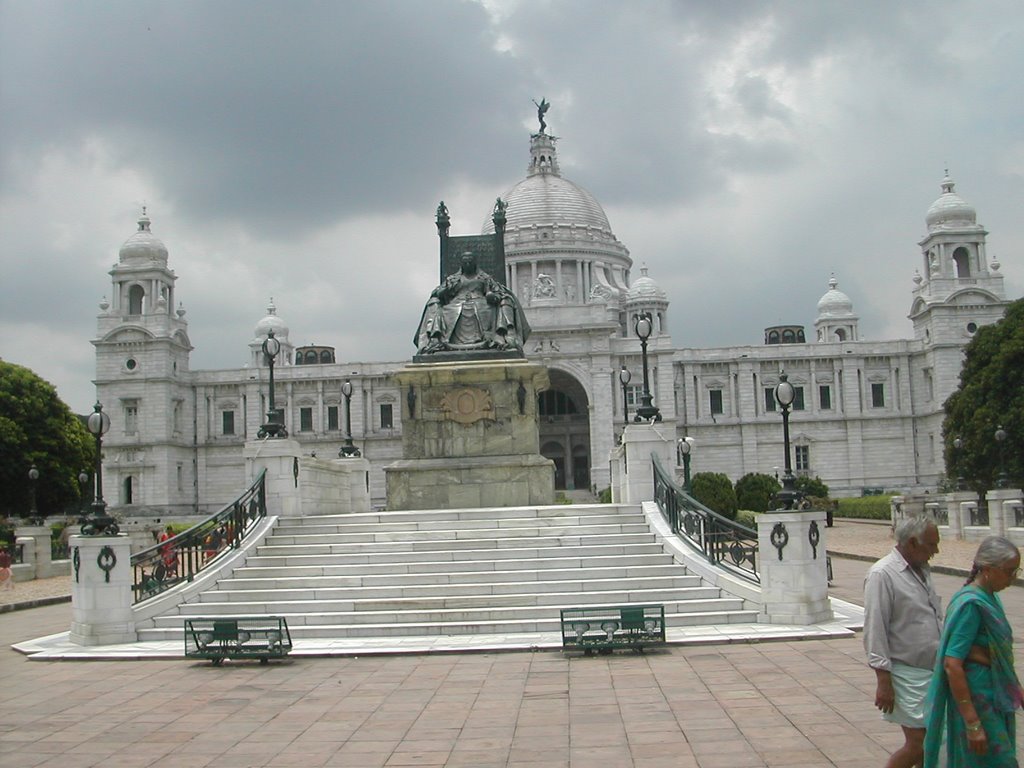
point(217, 660)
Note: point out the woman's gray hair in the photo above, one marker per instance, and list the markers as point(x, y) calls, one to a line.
point(913, 528)
point(995, 551)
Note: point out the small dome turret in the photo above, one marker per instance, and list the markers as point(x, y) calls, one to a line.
point(143, 246)
point(950, 210)
point(645, 289)
point(271, 322)
point(834, 303)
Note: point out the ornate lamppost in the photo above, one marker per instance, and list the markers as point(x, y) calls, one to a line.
point(1002, 480)
point(785, 394)
point(33, 478)
point(643, 326)
point(683, 448)
point(275, 418)
point(99, 522)
point(83, 484)
point(348, 450)
point(624, 377)
point(958, 446)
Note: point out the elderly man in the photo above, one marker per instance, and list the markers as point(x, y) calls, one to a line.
point(902, 627)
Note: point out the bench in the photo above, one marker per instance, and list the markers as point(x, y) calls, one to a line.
point(243, 637)
point(605, 628)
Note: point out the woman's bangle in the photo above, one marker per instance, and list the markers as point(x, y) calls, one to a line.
point(963, 701)
point(974, 727)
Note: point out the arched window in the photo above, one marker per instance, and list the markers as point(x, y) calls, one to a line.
point(135, 296)
point(800, 336)
point(773, 337)
point(787, 336)
point(310, 357)
point(962, 260)
point(325, 356)
point(553, 402)
point(840, 334)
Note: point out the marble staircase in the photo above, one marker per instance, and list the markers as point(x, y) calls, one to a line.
point(455, 572)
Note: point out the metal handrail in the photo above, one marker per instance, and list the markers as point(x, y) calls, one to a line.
point(182, 557)
point(723, 542)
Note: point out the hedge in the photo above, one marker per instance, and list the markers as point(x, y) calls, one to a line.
point(865, 508)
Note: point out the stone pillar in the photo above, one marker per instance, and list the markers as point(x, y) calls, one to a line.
point(617, 473)
point(101, 590)
point(36, 551)
point(794, 577)
point(280, 458)
point(954, 515)
point(1001, 503)
point(639, 441)
point(971, 532)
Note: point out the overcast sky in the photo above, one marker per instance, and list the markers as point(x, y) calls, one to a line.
point(743, 151)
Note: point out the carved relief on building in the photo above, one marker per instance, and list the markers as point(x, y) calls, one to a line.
point(467, 405)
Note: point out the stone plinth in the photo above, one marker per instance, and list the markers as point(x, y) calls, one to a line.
point(469, 437)
point(794, 577)
point(1001, 505)
point(101, 590)
point(636, 473)
point(280, 457)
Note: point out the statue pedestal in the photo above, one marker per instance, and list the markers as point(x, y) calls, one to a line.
point(101, 591)
point(469, 437)
point(791, 560)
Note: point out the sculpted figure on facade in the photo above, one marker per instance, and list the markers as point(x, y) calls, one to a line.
point(469, 311)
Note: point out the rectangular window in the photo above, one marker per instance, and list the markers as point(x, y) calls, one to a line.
point(634, 395)
point(305, 419)
point(716, 401)
point(878, 396)
point(332, 417)
point(798, 398)
point(802, 457)
point(227, 420)
point(131, 418)
point(386, 418)
point(769, 400)
point(825, 397)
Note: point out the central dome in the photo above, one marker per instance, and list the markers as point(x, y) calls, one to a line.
point(546, 199)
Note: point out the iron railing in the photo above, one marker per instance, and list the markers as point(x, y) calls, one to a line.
point(182, 557)
point(724, 542)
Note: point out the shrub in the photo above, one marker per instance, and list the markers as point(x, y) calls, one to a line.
point(754, 491)
point(865, 508)
point(747, 517)
point(812, 487)
point(714, 490)
point(605, 496)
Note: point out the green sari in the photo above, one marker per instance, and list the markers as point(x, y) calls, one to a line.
point(975, 617)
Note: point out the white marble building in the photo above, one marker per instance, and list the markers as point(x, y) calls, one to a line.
point(868, 413)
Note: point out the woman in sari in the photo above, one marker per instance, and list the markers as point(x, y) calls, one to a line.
point(975, 692)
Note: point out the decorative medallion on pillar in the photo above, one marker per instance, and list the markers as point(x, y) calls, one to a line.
point(410, 398)
point(780, 537)
point(814, 537)
point(106, 560)
point(468, 405)
point(76, 560)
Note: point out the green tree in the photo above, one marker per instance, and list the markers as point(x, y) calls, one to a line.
point(990, 395)
point(754, 491)
point(714, 490)
point(36, 427)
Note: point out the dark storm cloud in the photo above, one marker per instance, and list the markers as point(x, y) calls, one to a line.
point(278, 114)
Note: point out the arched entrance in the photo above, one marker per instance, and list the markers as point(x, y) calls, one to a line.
point(564, 415)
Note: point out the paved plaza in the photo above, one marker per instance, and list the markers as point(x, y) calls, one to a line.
point(806, 703)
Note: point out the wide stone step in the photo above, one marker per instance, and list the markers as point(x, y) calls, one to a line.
point(481, 513)
point(572, 521)
point(460, 609)
point(331, 567)
point(525, 589)
point(500, 534)
point(370, 555)
point(546, 623)
point(356, 544)
point(286, 578)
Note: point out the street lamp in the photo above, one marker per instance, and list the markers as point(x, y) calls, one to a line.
point(683, 448)
point(275, 418)
point(33, 477)
point(624, 377)
point(643, 326)
point(785, 394)
point(99, 522)
point(958, 445)
point(1002, 480)
point(348, 450)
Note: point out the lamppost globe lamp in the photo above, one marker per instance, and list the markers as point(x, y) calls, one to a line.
point(275, 419)
point(33, 477)
point(98, 522)
point(643, 326)
point(1003, 479)
point(958, 445)
point(348, 450)
point(785, 394)
point(624, 377)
